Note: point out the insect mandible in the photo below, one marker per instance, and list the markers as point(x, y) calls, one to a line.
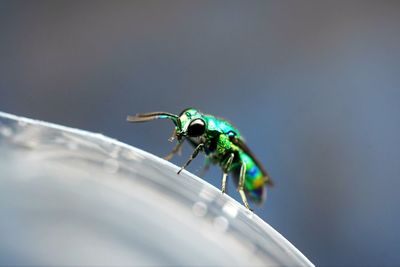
point(222, 144)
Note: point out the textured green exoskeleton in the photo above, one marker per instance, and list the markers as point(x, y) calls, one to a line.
point(222, 144)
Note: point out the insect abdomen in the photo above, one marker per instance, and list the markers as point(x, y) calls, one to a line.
point(254, 179)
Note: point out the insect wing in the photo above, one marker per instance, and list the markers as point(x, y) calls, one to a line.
point(239, 142)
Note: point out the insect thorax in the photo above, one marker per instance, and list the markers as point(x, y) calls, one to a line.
point(218, 148)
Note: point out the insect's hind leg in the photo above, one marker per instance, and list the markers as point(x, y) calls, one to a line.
point(242, 177)
point(225, 171)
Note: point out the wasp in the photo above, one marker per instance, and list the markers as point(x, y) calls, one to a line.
point(222, 144)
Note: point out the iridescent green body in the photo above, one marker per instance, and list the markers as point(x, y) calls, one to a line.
point(221, 133)
point(223, 145)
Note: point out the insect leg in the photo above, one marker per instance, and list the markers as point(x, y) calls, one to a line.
point(175, 150)
point(173, 136)
point(225, 170)
point(241, 184)
point(195, 153)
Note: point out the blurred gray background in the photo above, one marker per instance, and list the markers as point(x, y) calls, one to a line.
point(313, 86)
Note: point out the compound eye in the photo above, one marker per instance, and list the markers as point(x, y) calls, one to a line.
point(196, 128)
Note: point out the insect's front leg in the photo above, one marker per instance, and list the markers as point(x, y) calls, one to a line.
point(242, 177)
point(194, 155)
point(173, 136)
point(225, 170)
point(176, 149)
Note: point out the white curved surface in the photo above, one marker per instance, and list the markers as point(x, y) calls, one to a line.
point(70, 197)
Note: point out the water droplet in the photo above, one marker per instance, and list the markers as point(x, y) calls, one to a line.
point(221, 224)
point(115, 152)
point(133, 155)
point(207, 194)
point(199, 209)
point(6, 131)
point(111, 165)
point(230, 209)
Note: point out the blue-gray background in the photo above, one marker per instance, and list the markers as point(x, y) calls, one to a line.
point(314, 87)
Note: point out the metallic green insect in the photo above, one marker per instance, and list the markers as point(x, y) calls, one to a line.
point(222, 144)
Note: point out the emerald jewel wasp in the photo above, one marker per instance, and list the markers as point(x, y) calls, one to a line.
point(222, 144)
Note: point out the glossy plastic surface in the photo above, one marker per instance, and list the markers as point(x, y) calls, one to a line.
point(70, 197)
